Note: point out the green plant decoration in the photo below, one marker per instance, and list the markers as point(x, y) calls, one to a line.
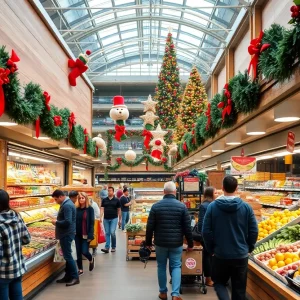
point(76, 138)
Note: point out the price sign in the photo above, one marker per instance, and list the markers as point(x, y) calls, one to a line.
point(242, 165)
point(191, 184)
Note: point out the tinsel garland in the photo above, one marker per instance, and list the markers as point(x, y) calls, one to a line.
point(216, 113)
point(244, 92)
point(48, 126)
point(76, 138)
point(268, 63)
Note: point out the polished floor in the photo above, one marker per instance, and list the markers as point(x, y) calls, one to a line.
point(117, 279)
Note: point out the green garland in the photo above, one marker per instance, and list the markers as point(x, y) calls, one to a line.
point(76, 138)
point(23, 109)
point(244, 93)
point(199, 138)
point(268, 63)
point(209, 132)
point(47, 123)
point(91, 147)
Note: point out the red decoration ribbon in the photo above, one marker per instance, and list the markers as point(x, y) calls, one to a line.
point(120, 130)
point(72, 122)
point(3, 80)
point(164, 159)
point(207, 114)
point(86, 139)
point(47, 100)
point(227, 104)
point(11, 63)
point(184, 147)
point(256, 48)
point(57, 120)
point(119, 160)
point(37, 127)
point(148, 135)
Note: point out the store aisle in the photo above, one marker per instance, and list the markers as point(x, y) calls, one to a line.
point(115, 278)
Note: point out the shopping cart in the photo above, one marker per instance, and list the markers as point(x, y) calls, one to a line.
point(192, 269)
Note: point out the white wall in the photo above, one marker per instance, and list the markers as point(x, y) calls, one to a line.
point(241, 55)
point(221, 79)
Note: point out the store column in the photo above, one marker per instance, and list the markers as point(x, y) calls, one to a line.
point(3, 164)
point(70, 172)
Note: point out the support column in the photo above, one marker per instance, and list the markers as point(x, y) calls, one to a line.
point(3, 164)
point(214, 85)
point(255, 22)
point(70, 172)
point(229, 61)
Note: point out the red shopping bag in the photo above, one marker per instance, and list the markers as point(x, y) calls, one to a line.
point(101, 234)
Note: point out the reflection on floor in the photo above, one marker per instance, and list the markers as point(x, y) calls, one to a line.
point(115, 278)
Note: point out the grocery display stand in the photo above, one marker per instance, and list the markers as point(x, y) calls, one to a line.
point(132, 248)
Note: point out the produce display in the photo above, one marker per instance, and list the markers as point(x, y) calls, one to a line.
point(31, 201)
point(36, 246)
point(42, 233)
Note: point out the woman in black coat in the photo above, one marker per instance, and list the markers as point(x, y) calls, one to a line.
point(85, 219)
point(209, 196)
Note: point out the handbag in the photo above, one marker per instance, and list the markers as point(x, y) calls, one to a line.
point(197, 236)
point(59, 256)
point(101, 234)
point(94, 242)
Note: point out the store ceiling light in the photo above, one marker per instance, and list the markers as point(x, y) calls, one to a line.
point(82, 154)
point(42, 138)
point(104, 163)
point(65, 148)
point(218, 147)
point(78, 168)
point(264, 157)
point(6, 121)
point(10, 153)
point(233, 139)
point(256, 127)
point(96, 159)
point(287, 111)
point(283, 153)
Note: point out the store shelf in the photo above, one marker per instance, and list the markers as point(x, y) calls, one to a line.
point(33, 184)
point(278, 205)
point(40, 220)
point(27, 208)
point(28, 195)
point(272, 189)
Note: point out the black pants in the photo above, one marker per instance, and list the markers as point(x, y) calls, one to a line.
point(234, 269)
point(207, 263)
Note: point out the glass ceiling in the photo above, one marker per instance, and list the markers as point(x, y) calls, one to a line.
point(127, 37)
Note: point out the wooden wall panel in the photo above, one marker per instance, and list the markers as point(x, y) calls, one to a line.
point(221, 79)
point(43, 60)
point(241, 56)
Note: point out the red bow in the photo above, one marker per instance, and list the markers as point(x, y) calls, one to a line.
point(86, 139)
point(255, 48)
point(208, 117)
point(119, 160)
point(37, 127)
point(57, 121)
point(148, 135)
point(3, 80)
point(71, 121)
point(156, 154)
point(184, 147)
point(11, 63)
point(120, 130)
point(164, 159)
point(47, 100)
point(227, 107)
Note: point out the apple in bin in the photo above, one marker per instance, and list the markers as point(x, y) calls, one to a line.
point(294, 267)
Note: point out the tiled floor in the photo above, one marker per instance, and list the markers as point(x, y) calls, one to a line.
point(115, 278)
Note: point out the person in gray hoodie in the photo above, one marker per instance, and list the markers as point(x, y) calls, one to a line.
point(230, 232)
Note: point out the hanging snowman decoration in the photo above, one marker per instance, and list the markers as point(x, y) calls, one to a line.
point(100, 144)
point(173, 148)
point(119, 113)
point(157, 144)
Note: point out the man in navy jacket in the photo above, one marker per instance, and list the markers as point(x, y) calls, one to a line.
point(230, 232)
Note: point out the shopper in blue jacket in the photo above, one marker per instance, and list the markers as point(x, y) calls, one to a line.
point(230, 232)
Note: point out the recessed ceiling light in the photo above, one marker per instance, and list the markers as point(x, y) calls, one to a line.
point(256, 133)
point(233, 143)
point(287, 119)
point(82, 154)
point(96, 159)
point(218, 151)
point(206, 155)
point(283, 153)
point(8, 124)
point(65, 148)
point(264, 157)
point(42, 138)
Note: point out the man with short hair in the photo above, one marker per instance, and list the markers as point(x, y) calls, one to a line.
point(125, 204)
point(73, 195)
point(65, 229)
point(111, 209)
point(230, 232)
point(169, 220)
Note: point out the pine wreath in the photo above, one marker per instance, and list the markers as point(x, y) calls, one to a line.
point(190, 142)
point(22, 109)
point(182, 152)
point(91, 147)
point(47, 123)
point(216, 113)
point(244, 92)
point(199, 138)
point(268, 63)
point(288, 52)
point(76, 138)
point(207, 132)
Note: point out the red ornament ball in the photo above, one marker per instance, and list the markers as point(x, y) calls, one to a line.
point(158, 143)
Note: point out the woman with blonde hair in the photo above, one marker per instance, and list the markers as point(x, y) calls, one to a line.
point(85, 219)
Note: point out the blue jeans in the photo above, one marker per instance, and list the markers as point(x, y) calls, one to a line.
point(174, 256)
point(71, 270)
point(125, 218)
point(110, 226)
point(11, 289)
point(82, 247)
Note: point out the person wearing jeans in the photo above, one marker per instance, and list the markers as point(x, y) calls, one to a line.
point(14, 234)
point(111, 210)
point(230, 232)
point(125, 204)
point(169, 221)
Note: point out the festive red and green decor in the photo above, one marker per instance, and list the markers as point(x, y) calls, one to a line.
point(194, 102)
point(168, 91)
point(31, 105)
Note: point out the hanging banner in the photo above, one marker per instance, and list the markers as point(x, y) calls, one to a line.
point(290, 144)
point(240, 165)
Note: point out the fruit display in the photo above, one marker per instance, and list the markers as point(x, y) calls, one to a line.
point(42, 232)
point(46, 225)
point(271, 244)
point(276, 221)
point(36, 246)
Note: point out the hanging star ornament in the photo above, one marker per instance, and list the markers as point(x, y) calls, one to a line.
point(149, 105)
point(149, 118)
point(158, 133)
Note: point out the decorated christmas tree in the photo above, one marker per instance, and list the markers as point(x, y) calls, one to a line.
point(168, 90)
point(194, 102)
